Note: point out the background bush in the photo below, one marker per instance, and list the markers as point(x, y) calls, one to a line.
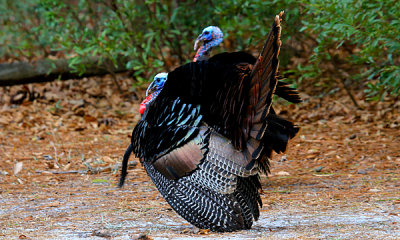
point(328, 43)
point(359, 39)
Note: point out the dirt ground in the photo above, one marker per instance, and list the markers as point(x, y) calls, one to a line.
point(60, 154)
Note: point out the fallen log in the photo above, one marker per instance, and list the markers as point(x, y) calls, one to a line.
point(46, 70)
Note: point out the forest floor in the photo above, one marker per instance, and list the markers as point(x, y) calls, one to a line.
point(60, 155)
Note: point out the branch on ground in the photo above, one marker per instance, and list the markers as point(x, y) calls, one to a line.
point(46, 70)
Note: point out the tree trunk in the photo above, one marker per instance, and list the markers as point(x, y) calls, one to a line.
point(47, 70)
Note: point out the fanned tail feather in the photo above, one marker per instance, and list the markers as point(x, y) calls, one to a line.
point(262, 87)
point(284, 91)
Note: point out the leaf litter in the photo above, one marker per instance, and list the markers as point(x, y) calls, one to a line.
point(61, 151)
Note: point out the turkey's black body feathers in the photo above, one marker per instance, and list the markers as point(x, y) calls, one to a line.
point(207, 209)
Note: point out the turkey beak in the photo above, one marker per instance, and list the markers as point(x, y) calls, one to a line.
point(198, 40)
point(150, 88)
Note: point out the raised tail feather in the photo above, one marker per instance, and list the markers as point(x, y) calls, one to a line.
point(259, 122)
point(284, 91)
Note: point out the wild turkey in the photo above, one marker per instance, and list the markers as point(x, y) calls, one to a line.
point(212, 36)
point(208, 132)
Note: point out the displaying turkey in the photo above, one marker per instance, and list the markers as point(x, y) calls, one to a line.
point(212, 36)
point(208, 131)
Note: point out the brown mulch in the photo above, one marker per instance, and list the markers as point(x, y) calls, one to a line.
point(61, 144)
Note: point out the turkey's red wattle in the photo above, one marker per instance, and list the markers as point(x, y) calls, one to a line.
point(146, 101)
point(142, 107)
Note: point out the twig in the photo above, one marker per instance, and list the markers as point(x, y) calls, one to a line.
point(90, 169)
point(343, 77)
point(55, 154)
point(95, 170)
point(353, 99)
point(114, 77)
point(63, 172)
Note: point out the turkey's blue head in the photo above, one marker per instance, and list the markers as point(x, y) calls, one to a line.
point(153, 90)
point(211, 37)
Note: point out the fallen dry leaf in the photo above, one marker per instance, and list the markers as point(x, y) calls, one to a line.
point(282, 173)
point(29, 218)
point(53, 204)
point(204, 231)
point(18, 167)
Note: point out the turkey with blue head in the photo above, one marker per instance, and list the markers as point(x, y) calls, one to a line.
point(154, 88)
point(211, 37)
point(209, 133)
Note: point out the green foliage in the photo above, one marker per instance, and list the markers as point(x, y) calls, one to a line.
point(361, 38)
point(20, 36)
point(154, 35)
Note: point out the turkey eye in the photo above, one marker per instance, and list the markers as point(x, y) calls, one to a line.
point(206, 33)
point(157, 80)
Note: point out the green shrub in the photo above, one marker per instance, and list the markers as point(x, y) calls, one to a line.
point(153, 35)
point(358, 37)
point(353, 40)
point(21, 36)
